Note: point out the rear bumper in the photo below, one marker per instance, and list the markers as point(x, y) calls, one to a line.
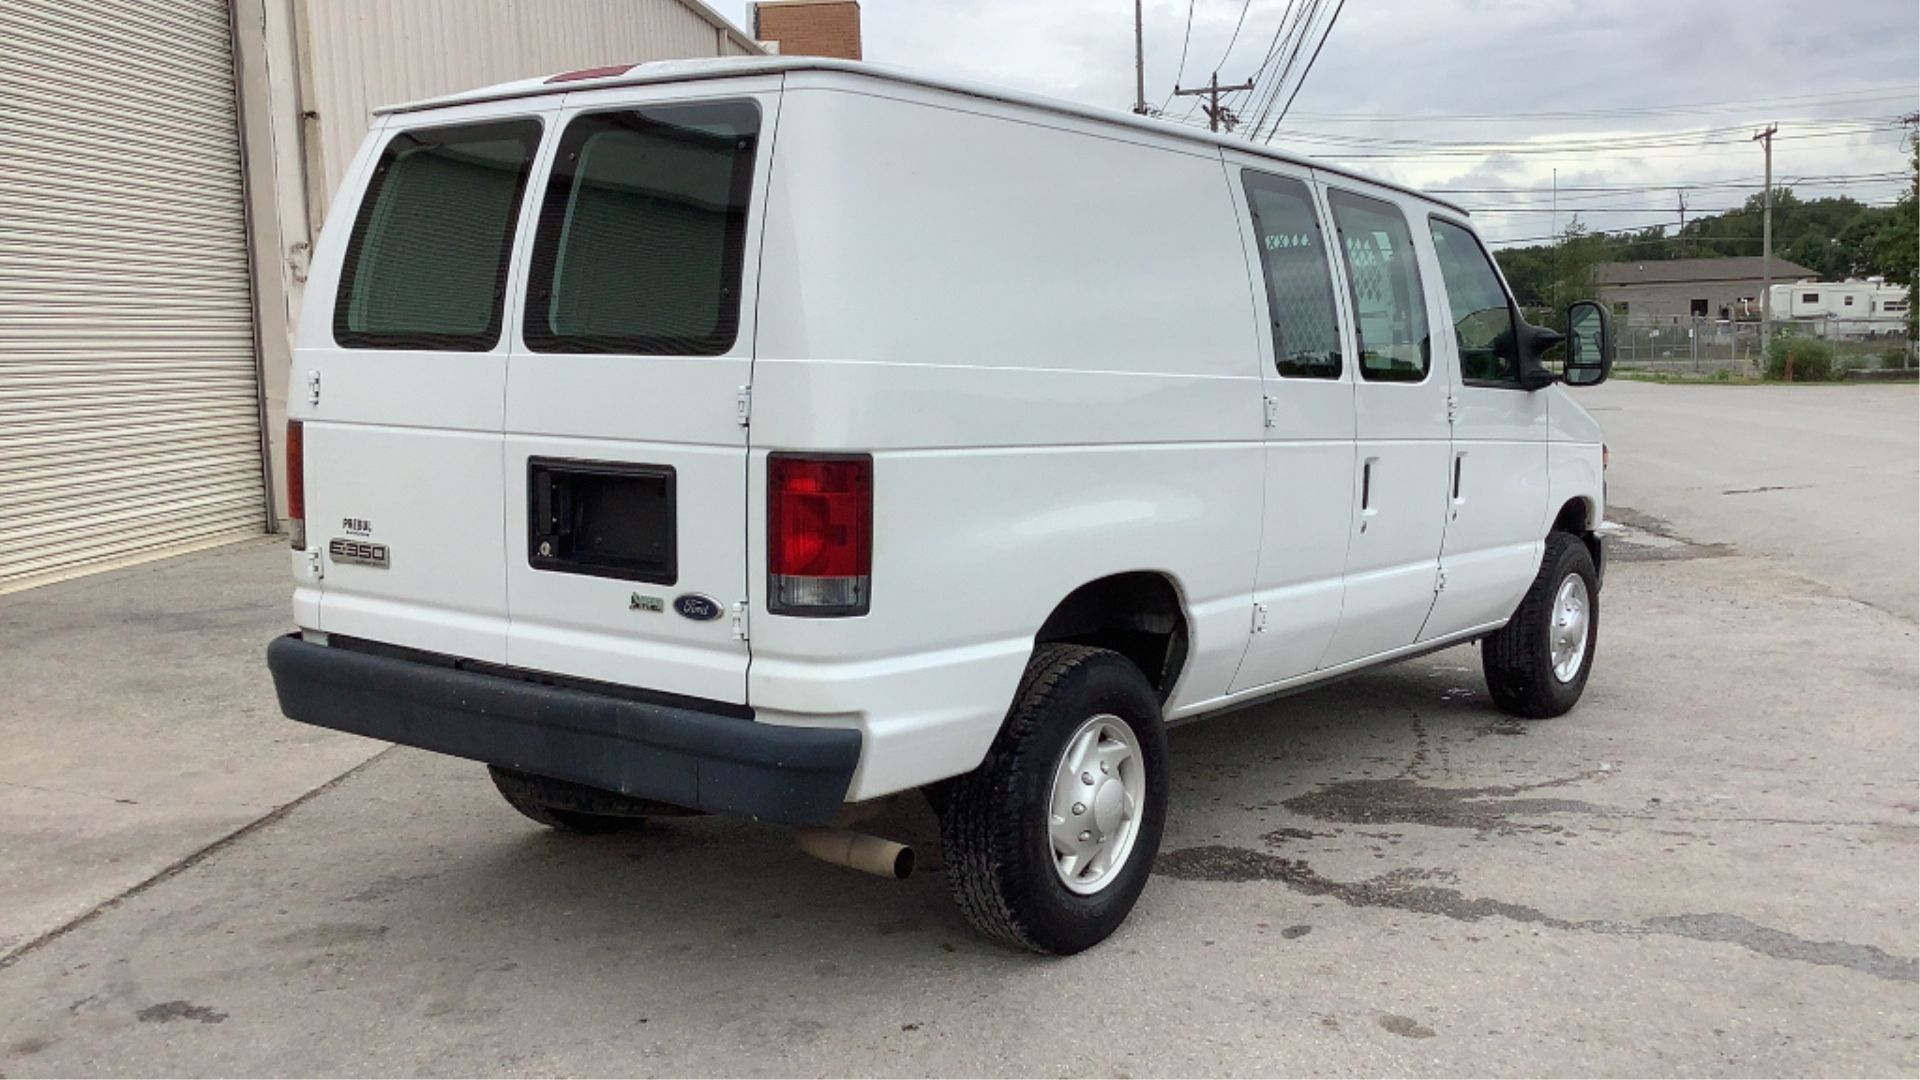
point(675, 753)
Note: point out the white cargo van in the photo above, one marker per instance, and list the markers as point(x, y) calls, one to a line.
point(773, 436)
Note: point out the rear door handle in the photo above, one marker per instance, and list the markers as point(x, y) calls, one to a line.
point(1367, 509)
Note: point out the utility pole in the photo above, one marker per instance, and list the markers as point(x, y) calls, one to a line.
point(1765, 139)
point(1553, 289)
point(1216, 116)
point(1682, 234)
point(1139, 64)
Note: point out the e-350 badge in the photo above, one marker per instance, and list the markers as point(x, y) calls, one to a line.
point(358, 552)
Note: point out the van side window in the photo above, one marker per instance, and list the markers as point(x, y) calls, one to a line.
point(643, 232)
point(1293, 258)
point(1389, 309)
point(426, 263)
point(1482, 317)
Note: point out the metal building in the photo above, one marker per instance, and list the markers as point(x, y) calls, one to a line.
point(164, 166)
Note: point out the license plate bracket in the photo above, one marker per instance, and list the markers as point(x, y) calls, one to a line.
point(610, 519)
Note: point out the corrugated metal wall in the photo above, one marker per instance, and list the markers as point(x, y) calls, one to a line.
point(369, 53)
point(129, 414)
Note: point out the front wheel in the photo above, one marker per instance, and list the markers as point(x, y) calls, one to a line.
point(1537, 665)
point(1049, 842)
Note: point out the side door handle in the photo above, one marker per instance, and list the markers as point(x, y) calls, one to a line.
point(1367, 509)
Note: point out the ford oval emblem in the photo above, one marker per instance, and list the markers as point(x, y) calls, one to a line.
point(697, 607)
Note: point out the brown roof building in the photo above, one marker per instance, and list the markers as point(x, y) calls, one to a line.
point(809, 27)
point(1679, 289)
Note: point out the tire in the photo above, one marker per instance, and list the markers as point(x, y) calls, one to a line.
point(997, 822)
point(1519, 660)
point(540, 799)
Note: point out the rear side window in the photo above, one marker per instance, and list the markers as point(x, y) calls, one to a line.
point(1388, 306)
point(1293, 256)
point(643, 231)
point(1482, 318)
point(426, 263)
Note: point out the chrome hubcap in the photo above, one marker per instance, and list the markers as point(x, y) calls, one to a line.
point(1093, 814)
point(1571, 611)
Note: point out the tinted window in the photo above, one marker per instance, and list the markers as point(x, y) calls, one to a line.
point(1293, 255)
point(643, 232)
point(426, 263)
point(1482, 319)
point(1389, 309)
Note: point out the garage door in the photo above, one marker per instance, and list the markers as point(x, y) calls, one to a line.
point(129, 415)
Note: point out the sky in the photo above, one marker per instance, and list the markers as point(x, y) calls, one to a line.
point(1628, 101)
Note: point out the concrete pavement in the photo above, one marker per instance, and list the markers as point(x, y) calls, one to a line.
point(1710, 867)
point(1818, 477)
point(138, 729)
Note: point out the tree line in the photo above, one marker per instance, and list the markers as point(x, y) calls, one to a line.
point(1836, 238)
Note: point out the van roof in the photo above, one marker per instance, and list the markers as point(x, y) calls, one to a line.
point(659, 71)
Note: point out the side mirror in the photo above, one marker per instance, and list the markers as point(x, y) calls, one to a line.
point(1589, 343)
point(1534, 343)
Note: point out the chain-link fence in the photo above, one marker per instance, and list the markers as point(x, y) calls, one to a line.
point(1701, 347)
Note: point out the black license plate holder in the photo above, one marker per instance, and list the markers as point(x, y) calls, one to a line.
point(610, 519)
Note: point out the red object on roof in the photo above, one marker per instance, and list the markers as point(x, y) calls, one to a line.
point(593, 73)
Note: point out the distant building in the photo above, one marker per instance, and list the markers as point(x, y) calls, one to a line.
point(1682, 289)
point(1844, 308)
point(809, 27)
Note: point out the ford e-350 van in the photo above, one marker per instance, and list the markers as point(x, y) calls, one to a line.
point(773, 436)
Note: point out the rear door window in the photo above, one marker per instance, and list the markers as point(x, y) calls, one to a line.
point(1293, 258)
point(426, 263)
point(1482, 317)
point(1388, 306)
point(642, 232)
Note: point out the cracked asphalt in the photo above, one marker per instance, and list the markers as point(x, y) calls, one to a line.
point(1711, 867)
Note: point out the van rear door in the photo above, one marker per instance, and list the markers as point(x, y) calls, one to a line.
point(626, 395)
point(398, 380)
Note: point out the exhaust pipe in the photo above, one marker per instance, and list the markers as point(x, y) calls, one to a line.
point(857, 851)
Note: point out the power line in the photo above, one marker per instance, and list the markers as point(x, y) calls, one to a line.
point(1185, 39)
point(1886, 93)
point(1730, 181)
point(1244, 5)
point(1701, 237)
point(1294, 22)
point(1308, 70)
point(1702, 151)
point(1683, 136)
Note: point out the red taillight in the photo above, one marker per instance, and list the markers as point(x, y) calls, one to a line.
point(297, 485)
point(819, 534)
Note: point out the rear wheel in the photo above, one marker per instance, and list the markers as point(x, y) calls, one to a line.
point(1537, 665)
point(1050, 841)
point(570, 807)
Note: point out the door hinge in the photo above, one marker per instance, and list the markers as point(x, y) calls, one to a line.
point(314, 566)
point(740, 620)
point(1453, 407)
point(313, 388)
point(1440, 581)
point(1259, 619)
point(743, 405)
point(1273, 409)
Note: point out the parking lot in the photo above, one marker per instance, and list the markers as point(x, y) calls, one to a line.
point(1710, 867)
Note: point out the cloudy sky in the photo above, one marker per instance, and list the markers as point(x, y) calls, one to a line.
point(1629, 100)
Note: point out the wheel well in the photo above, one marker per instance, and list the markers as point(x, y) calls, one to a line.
point(1573, 518)
point(1576, 518)
point(1136, 614)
